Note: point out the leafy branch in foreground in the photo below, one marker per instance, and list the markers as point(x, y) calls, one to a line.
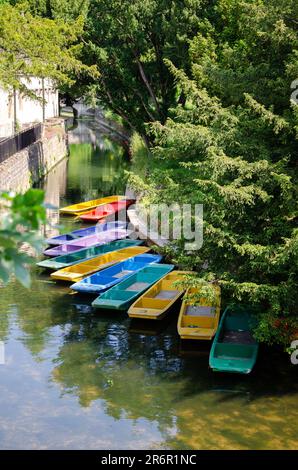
point(22, 216)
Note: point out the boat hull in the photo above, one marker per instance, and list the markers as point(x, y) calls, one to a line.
point(107, 278)
point(234, 350)
point(89, 205)
point(84, 232)
point(85, 242)
point(155, 303)
point(106, 210)
point(199, 321)
point(85, 254)
point(121, 296)
point(78, 271)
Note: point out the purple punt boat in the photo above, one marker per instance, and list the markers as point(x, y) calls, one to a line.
point(85, 242)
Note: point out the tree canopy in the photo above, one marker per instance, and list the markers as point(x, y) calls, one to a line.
point(232, 147)
point(34, 46)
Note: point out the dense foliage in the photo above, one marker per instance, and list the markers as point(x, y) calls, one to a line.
point(233, 147)
point(129, 41)
point(34, 46)
point(21, 216)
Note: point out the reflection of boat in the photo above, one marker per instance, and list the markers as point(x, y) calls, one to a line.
point(121, 296)
point(147, 327)
point(105, 210)
point(234, 349)
point(199, 320)
point(86, 253)
point(98, 239)
point(84, 232)
point(74, 209)
point(78, 271)
point(194, 348)
point(103, 280)
point(155, 302)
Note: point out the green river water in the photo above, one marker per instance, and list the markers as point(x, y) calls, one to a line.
point(78, 379)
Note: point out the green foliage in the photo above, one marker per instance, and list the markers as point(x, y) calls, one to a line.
point(21, 216)
point(232, 146)
point(35, 46)
point(129, 42)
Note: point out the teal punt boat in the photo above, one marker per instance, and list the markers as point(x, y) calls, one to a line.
point(121, 296)
point(234, 349)
point(64, 261)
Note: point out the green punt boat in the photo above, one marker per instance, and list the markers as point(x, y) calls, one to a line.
point(121, 296)
point(234, 349)
point(64, 261)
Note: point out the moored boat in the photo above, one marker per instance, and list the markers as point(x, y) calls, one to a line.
point(234, 349)
point(89, 205)
point(156, 302)
point(86, 253)
point(78, 271)
point(121, 296)
point(199, 319)
point(85, 242)
point(107, 278)
point(106, 210)
point(84, 232)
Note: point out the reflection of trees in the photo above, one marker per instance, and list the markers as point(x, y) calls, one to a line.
point(6, 311)
point(34, 312)
point(135, 374)
point(143, 376)
point(96, 165)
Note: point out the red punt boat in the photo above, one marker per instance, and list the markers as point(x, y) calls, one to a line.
point(106, 210)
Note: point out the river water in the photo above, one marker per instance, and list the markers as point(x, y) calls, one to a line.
point(77, 379)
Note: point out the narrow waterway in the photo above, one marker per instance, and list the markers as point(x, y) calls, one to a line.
point(78, 379)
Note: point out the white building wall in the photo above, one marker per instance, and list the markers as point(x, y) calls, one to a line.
point(28, 111)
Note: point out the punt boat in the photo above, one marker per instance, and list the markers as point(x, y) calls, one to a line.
point(199, 319)
point(121, 296)
point(84, 232)
point(98, 239)
point(106, 210)
point(103, 280)
point(64, 261)
point(156, 302)
point(74, 209)
point(234, 349)
point(78, 271)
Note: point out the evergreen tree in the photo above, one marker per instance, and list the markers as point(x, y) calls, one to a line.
point(232, 147)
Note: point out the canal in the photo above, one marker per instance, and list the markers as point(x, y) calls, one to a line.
point(78, 379)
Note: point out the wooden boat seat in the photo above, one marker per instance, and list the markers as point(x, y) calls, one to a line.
point(166, 294)
point(137, 286)
point(237, 337)
point(122, 273)
point(200, 311)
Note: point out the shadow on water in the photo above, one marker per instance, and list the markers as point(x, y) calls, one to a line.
point(80, 378)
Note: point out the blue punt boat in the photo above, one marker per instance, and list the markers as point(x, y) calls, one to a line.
point(85, 232)
point(123, 294)
point(64, 261)
point(103, 280)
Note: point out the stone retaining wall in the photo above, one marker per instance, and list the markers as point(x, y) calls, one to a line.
point(24, 168)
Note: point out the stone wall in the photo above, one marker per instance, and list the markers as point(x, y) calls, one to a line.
point(24, 168)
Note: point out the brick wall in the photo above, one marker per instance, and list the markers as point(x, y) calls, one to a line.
point(24, 168)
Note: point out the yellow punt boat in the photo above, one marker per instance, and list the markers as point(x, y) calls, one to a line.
point(78, 209)
point(78, 271)
point(199, 321)
point(155, 302)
